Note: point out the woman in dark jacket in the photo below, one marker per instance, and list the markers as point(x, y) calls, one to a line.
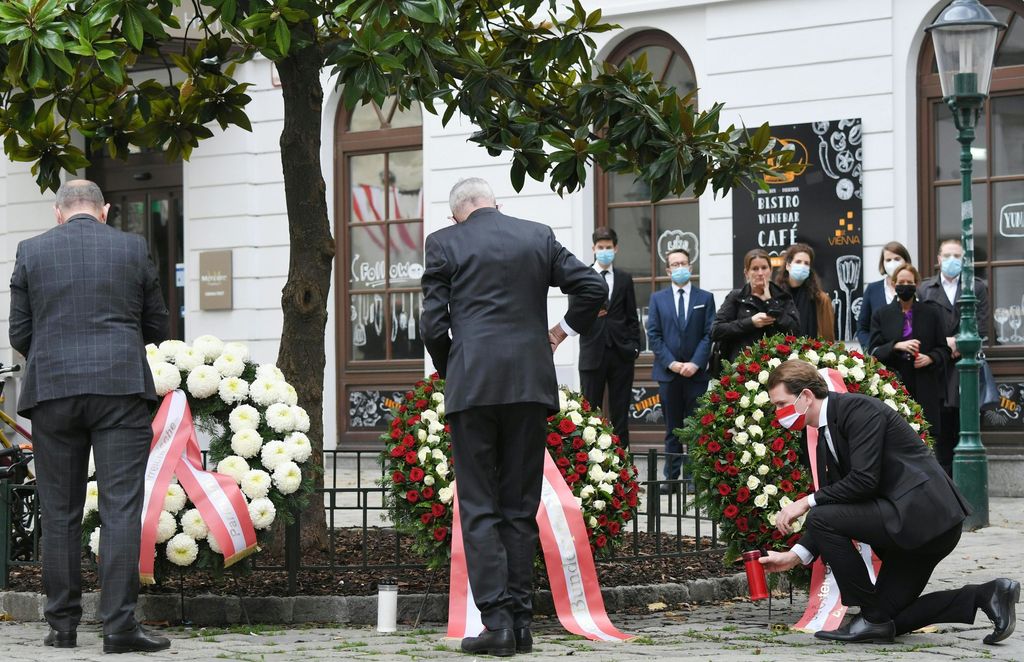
point(909, 337)
point(757, 310)
point(880, 293)
point(814, 307)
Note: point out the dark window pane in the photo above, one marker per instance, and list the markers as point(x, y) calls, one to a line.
point(1008, 135)
point(627, 188)
point(1007, 305)
point(1008, 223)
point(947, 149)
point(643, 300)
point(406, 264)
point(947, 207)
point(367, 324)
point(657, 59)
point(366, 261)
point(633, 225)
point(679, 227)
point(680, 76)
point(405, 325)
point(1011, 51)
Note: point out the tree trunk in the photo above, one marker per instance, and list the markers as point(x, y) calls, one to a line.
point(304, 298)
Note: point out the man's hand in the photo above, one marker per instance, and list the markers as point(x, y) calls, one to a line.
point(951, 343)
point(787, 515)
point(555, 337)
point(688, 369)
point(779, 561)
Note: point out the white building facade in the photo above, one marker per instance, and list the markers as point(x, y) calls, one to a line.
point(388, 174)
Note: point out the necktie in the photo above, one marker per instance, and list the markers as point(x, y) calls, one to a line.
point(682, 307)
point(606, 286)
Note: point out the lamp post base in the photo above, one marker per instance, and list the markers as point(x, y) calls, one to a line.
point(970, 473)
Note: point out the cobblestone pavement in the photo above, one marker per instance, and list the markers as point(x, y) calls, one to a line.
point(737, 630)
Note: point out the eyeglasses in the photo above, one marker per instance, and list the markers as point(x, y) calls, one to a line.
point(676, 265)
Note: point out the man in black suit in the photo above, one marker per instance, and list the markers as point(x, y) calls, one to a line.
point(84, 301)
point(484, 323)
point(609, 349)
point(881, 485)
point(944, 289)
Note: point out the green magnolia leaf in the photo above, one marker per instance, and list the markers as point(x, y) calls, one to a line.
point(425, 11)
point(282, 36)
point(133, 28)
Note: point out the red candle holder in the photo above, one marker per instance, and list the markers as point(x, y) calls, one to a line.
point(756, 581)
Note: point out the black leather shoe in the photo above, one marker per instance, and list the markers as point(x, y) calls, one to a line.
point(138, 640)
point(859, 630)
point(59, 639)
point(1001, 607)
point(524, 640)
point(500, 643)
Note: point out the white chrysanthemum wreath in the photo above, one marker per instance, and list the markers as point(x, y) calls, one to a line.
point(257, 437)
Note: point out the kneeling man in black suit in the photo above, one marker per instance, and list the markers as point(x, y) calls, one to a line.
point(882, 486)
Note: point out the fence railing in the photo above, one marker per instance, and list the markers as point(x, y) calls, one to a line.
point(666, 525)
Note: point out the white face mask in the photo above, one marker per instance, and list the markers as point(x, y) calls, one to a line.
point(892, 265)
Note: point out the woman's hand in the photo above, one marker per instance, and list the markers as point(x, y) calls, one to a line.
point(911, 346)
point(762, 320)
point(922, 361)
point(759, 288)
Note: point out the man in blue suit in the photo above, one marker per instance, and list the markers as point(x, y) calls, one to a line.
point(679, 332)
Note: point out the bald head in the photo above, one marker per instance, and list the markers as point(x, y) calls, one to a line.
point(80, 196)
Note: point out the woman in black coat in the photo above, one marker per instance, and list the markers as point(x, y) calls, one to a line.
point(757, 310)
point(908, 336)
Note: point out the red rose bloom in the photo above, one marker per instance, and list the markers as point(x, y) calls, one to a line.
point(410, 458)
point(581, 457)
point(714, 447)
point(408, 440)
point(440, 533)
point(412, 496)
point(778, 444)
point(427, 492)
point(729, 411)
point(719, 467)
point(790, 338)
point(730, 457)
point(554, 439)
point(421, 404)
point(395, 433)
point(743, 494)
point(437, 510)
point(601, 540)
point(397, 451)
point(732, 396)
point(614, 528)
point(602, 520)
point(776, 535)
point(428, 389)
point(409, 395)
point(715, 398)
point(731, 511)
point(791, 455)
point(416, 474)
point(707, 419)
point(724, 489)
point(783, 349)
point(616, 503)
point(562, 462)
point(577, 443)
point(786, 486)
point(398, 477)
point(581, 468)
point(725, 381)
point(732, 471)
point(777, 462)
point(796, 474)
point(741, 524)
point(426, 518)
point(566, 426)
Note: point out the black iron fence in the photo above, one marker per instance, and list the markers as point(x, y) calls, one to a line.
point(668, 523)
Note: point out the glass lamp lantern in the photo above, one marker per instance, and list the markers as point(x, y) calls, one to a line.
point(964, 36)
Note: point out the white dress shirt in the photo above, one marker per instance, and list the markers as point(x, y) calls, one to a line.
point(675, 296)
point(949, 286)
point(610, 278)
point(890, 290)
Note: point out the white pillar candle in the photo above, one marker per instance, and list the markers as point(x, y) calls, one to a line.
point(387, 607)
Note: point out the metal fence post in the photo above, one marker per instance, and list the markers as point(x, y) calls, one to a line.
point(5, 538)
point(653, 492)
point(292, 551)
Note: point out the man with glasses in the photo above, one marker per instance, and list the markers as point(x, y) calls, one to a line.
point(679, 332)
point(878, 484)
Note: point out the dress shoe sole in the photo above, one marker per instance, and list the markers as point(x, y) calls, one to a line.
point(857, 640)
point(496, 652)
point(61, 644)
point(993, 638)
point(112, 648)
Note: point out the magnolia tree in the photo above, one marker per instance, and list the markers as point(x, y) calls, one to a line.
point(522, 70)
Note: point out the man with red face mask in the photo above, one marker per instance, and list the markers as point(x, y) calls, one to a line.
point(878, 484)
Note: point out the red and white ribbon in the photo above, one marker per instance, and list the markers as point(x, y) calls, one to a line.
point(567, 557)
point(175, 452)
point(825, 608)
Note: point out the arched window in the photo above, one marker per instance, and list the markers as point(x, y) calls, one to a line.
point(379, 238)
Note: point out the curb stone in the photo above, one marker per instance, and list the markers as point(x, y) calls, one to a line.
point(219, 610)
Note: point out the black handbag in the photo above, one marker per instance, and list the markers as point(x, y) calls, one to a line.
point(988, 394)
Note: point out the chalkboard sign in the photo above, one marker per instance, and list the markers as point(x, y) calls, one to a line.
point(645, 406)
point(820, 206)
point(1009, 413)
point(371, 409)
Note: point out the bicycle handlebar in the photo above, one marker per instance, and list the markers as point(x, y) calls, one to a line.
point(9, 369)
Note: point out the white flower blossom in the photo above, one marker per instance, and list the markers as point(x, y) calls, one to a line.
point(170, 347)
point(153, 354)
point(437, 396)
point(797, 524)
point(589, 434)
point(229, 365)
point(298, 446)
point(811, 356)
point(166, 377)
point(192, 523)
point(187, 358)
point(203, 381)
point(761, 398)
point(606, 487)
point(563, 402)
point(745, 458)
point(916, 427)
point(762, 377)
point(889, 389)
point(772, 518)
point(246, 443)
point(233, 389)
point(752, 385)
point(745, 401)
point(236, 349)
point(587, 492)
point(182, 550)
point(234, 467)
point(209, 346)
point(262, 512)
point(576, 418)
point(429, 415)
point(263, 392)
point(286, 394)
point(256, 483)
point(273, 454)
point(596, 455)
point(785, 501)
point(269, 372)
point(829, 358)
point(761, 500)
point(741, 422)
point(598, 505)
point(757, 416)
point(174, 498)
point(753, 482)
point(857, 373)
point(445, 494)
point(280, 417)
point(302, 418)
point(592, 522)
point(92, 465)
point(166, 527)
point(94, 541)
point(421, 434)
point(904, 409)
point(214, 545)
point(244, 417)
point(433, 439)
point(843, 370)
point(423, 453)
point(770, 490)
point(428, 480)
point(435, 428)
point(759, 449)
point(604, 441)
point(762, 470)
point(574, 405)
point(596, 473)
point(774, 362)
point(438, 455)
point(755, 430)
point(741, 438)
point(441, 469)
point(92, 498)
point(890, 403)
point(593, 420)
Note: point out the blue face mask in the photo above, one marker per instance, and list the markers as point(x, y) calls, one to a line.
point(681, 275)
point(604, 256)
point(951, 266)
point(799, 272)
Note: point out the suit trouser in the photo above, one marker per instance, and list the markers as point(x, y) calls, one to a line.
point(896, 594)
point(678, 400)
point(118, 430)
point(499, 466)
point(617, 373)
point(948, 437)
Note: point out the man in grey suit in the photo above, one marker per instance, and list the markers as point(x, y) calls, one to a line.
point(484, 323)
point(84, 301)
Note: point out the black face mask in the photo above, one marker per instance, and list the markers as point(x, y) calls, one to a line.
point(906, 292)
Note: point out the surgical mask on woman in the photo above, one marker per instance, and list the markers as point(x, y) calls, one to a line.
point(799, 272)
point(906, 292)
point(892, 264)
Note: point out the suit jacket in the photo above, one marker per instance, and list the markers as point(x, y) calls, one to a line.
point(931, 290)
point(873, 299)
point(85, 299)
point(734, 327)
point(486, 282)
point(669, 342)
point(882, 459)
point(618, 331)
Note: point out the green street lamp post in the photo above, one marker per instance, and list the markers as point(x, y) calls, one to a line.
point(964, 36)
